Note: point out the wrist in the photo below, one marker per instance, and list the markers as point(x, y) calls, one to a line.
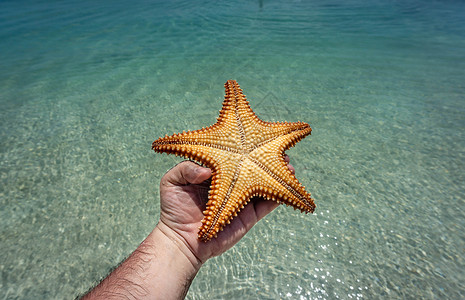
point(173, 266)
point(161, 268)
point(178, 245)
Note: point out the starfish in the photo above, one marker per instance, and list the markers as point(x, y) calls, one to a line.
point(246, 156)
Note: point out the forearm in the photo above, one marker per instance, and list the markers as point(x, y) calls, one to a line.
point(162, 267)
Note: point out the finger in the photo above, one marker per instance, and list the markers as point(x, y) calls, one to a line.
point(264, 207)
point(291, 168)
point(186, 173)
point(287, 160)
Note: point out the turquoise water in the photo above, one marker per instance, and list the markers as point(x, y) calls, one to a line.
point(86, 87)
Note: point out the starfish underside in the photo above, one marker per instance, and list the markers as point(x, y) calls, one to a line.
point(246, 156)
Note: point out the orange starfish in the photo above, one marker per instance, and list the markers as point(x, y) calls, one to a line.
point(246, 156)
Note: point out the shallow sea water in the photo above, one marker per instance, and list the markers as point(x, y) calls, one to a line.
point(86, 87)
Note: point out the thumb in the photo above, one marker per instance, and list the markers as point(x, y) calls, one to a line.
point(186, 173)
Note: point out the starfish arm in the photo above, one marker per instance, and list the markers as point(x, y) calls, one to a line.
point(207, 155)
point(253, 130)
point(235, 101)
point(269, 159)
point(267, 132)
point(227, 197)
point(289, 139)
point(219, 210)
point(217, 136)
point(276, 182)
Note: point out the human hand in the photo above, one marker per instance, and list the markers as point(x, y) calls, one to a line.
point(183, 196)
point(166, 262)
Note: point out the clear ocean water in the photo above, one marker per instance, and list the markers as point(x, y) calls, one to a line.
point(86, 86)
